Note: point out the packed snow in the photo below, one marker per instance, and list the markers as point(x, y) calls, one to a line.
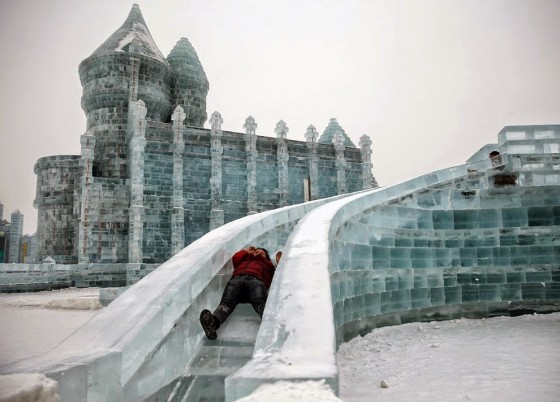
point(28, 388)
point(282, 391)
point(496, 359)
point(34, 323)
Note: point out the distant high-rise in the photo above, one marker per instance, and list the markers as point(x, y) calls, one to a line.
point(16, 231)
point(4, 236)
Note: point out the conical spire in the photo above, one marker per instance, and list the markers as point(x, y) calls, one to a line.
point(183, 58)
point(133, 37)
point(190, 85)
point(330, 131)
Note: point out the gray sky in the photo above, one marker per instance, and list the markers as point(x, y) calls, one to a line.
point(429, 81)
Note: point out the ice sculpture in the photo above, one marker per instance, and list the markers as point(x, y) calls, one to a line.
point(474, 240)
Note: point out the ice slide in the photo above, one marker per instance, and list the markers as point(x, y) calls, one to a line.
point(148, 342)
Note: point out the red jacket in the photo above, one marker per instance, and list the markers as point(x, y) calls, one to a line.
point(257, 266)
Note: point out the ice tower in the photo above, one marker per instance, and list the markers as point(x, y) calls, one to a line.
point(128, 66)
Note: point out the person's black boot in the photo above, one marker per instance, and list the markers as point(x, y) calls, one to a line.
point(210, 324)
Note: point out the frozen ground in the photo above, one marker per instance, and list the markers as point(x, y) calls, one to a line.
point(498, 359)
point(34, 323)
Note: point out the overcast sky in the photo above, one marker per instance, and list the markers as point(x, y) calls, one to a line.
point(429, 81)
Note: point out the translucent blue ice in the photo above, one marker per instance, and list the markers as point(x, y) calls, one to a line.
point(467, 241)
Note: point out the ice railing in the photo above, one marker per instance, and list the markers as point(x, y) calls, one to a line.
point(155, 322)
point(297, 340)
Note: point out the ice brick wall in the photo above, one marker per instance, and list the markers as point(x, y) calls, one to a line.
point(197, 165)
point(106, 240)
point(108, 214)
point(413, 260)
point(36, 277)
point(57, 196)
point(158, 191)
point(468, 247)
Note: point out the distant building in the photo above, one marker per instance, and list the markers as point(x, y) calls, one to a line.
point(151, 180)
point(16, 231)
point(4, 227)
point(15, 247)
point(4, 240)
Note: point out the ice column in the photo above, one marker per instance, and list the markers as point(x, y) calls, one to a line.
point(216, 149)
point(338, 141)
point(178, 213)
point(87, 141)
point(136, 147)
point(281, 131)
point(134, 70)
point(251, 148)
point(311, 136)
point(368, 181)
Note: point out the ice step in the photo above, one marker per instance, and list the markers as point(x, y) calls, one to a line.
point(204, 378)
point(234, 346)
point(219, 360)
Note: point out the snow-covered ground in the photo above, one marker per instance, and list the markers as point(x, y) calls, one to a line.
point(34, 323)
point(497, 359)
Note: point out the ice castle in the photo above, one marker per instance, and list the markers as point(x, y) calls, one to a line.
point(151, 180)
point(475, 240)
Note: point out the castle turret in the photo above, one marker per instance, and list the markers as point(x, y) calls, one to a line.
point(128, 66)
point(189, 85)
point(329, 133)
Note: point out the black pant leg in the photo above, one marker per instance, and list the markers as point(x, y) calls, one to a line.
point(257, 295)
point(230, 299)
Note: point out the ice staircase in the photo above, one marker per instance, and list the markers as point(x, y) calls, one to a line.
point(203, 379)
point(475, 240)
